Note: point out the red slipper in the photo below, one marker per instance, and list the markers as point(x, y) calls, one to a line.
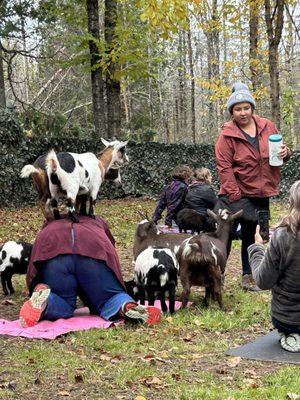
point(33, 308)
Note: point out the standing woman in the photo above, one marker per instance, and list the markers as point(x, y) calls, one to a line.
point(246, 177)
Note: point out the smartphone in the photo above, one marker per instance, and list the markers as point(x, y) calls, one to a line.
point(263, 217)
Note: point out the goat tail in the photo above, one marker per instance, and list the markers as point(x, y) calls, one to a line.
point(52, 163)
point(163, 275)
point(28, 170)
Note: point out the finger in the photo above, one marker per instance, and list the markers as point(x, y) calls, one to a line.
point(257, 229)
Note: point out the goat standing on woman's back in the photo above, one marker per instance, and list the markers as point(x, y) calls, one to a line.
point(75, 176)
point(202, 258)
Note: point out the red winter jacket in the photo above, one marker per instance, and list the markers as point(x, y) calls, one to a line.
point(243, 170)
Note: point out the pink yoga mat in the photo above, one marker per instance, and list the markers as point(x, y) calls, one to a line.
point(81, 321)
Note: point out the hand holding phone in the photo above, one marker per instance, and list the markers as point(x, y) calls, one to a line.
point(263, 222)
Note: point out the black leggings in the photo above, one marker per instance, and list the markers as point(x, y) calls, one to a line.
point(285, 328)
point(248, 231)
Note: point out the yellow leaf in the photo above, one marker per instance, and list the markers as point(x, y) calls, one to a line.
point(140, 398)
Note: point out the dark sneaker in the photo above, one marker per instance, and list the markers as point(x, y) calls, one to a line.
point(33, 308)
point(249, 284)
point(150, 315)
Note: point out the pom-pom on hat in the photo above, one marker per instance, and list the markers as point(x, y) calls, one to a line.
point(240, 94)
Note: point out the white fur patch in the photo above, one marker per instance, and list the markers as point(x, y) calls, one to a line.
point(213, 248)
point(163, 279)
point(187, 248)
point(224, 214)
point(144, 221)
point(12, 249)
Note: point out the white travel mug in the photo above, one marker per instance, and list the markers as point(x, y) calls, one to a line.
point(275, 142)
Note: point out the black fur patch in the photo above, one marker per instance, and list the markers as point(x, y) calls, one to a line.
point(66, 161)
point(80, 164)
point(86, 174)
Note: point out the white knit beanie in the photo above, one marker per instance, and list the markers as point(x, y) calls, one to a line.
point(240, 94)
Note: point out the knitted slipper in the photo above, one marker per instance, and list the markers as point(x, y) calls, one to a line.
point(33, 308)
point(290, 342)
point(149, 315)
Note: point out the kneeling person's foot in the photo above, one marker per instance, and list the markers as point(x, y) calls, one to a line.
point(33, 308)
point(249, 284)
point(150, 315)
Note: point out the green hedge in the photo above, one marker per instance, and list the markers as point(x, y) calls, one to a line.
point(147, 172)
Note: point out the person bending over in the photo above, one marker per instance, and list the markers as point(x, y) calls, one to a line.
point(78, 259)
point(278, 269)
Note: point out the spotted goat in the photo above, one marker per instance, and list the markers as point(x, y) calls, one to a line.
point(202, 258)
point(14, 259)
point(155, 273)
point(77, 177)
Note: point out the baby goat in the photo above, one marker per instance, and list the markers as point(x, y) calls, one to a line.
point(192, 220)
point(156, 272)
point(203, 257)
point(14, 259)
point(75, 176)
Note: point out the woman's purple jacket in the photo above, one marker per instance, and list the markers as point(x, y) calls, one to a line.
point(89, 237)
point(172, 197)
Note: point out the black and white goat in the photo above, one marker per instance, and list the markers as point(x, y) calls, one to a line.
point(14, 259)
point(77, 177)
point(155, 273)
point(202, 258)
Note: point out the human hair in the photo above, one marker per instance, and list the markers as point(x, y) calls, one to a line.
point(203, 174)
point(183, 172)
point(292, 219)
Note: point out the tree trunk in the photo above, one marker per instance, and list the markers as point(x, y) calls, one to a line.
point(253, 50)
point(193, 111)
point(2, 84)
point(92, 7)
point(274, 32)
point(112, 84)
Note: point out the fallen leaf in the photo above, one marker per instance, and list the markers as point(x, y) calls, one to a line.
point(78, 378)
point(233, 361)
point(7, 302)
point(64, 393)
point(140, 398)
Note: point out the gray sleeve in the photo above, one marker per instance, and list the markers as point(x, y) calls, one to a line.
point(265, 265)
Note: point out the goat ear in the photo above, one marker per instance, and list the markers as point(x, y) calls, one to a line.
point(237, 215)
point(105, 142)
point(212, 214)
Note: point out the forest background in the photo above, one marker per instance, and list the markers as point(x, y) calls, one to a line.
point(147, 69)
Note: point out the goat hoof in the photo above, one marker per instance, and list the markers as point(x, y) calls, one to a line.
point(92, 216)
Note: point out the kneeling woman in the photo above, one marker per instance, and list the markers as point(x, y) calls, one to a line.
point(278, 268)
point(78, 259)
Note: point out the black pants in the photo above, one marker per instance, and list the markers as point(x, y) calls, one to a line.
point(250, 205)
point(248, 231)
point(285, 328)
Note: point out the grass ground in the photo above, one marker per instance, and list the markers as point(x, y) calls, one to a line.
point(182, 358)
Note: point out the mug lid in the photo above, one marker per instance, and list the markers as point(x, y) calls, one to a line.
point(275, 138)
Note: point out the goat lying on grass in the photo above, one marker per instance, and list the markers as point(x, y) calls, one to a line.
point(202, 258)
point(156, 272)
point(14, 259)
point(75, 176)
